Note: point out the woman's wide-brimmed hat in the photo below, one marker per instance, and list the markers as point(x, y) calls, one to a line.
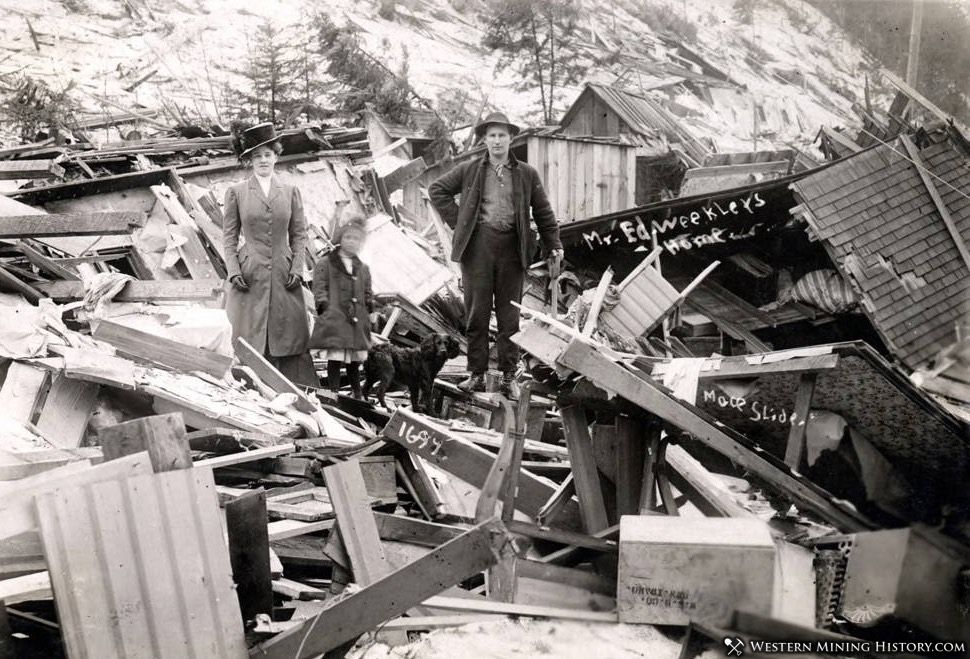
point(257, 136)
point(496, 118)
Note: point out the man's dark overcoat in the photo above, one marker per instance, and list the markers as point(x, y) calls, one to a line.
point(274, 246)
point(528, 198)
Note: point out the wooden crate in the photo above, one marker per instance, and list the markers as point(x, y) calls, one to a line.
point(676, 569)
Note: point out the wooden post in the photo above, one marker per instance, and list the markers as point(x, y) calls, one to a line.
point(648, 492)
point(163, 436)
point(795, 451)
point(246, 524)
point(356, 522)
point(583, 466)
point(915, 28)
point(631, 451)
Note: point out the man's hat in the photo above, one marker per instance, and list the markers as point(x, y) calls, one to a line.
point(496, 118)
point(257, 136)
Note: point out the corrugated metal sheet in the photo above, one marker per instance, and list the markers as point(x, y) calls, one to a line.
point(889, 239)
point(398, 265)
point(140, 568)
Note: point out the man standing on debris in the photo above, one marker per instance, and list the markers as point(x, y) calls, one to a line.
point(493, 242)
point(264, 301)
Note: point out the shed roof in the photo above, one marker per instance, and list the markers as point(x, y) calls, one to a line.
point(643, 115)
point(884, 232)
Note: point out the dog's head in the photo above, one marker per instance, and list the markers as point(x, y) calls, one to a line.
point(443, 346)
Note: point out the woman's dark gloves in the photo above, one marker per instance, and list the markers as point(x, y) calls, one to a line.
point(292, 282)
point(321, 308)
point(239, 282)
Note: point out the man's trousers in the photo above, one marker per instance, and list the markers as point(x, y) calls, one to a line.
point(492, 273)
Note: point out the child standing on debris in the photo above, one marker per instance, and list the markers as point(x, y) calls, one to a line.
point(343, 298)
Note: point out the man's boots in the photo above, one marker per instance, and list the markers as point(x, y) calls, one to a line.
point(475, 382)
point(509, 387)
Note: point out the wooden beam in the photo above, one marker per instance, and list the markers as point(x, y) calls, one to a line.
point(245, 456)
point(414, 531)
point(465, 556)
point(941, 208)
point(356, 522)
point(795, 449)
point(104, 223)
point(527, 610)
point(140, 291)
point(12, 170)
point(22, 392)
point(192, 251)
point(10, 282)
point(67, 409)
point(585, 474)
point(469, 462)
point(597, 303)
point(160, 350)
point(691, 477)
point(46, 264)
point(584, 359)
point(163, 436)
point(730, 369)
point(246, 527)
point(568, 538)
point(631, 448)
point(291, 528)
point(901, 85)
point(552, 507)
point(271, 376)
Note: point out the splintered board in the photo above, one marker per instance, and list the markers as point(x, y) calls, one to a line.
point(140, 568)
point(398, 265)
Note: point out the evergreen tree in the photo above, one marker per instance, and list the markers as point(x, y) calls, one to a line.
point(538, 39)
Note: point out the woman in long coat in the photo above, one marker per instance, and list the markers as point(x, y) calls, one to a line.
point(264, 299)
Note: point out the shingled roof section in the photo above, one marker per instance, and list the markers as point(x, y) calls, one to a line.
point(881, 227)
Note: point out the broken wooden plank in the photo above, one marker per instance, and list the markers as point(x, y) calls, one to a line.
point(727, 369)
point(53, 267)
point(140, 291)
point(469, 462)
point(271, 376)
point(527, 610)
point(246, 528)
point(795, 449)
point(593, 541)
point(245, 456)
point(66, 411)
point(12, 170)
point(414, 531)
point(106, 223)
point(11, 282)
point(356, 522)
point(692, 478)
point(163, 436)
point(153, 582)
point(291, 528)
point(465, 556)
point(36, 586)
point(602, 372)
point(160, 350)
point(192, 251)
point(21, 464)
point(22, 391)
point(585, 474)
point(298, 591)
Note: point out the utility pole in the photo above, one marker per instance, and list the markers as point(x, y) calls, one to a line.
point(915, 27)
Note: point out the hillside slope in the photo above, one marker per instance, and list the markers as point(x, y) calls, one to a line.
point(791, 62)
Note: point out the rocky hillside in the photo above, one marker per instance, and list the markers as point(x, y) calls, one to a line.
point(773, 71)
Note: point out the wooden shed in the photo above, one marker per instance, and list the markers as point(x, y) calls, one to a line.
point(583, 177)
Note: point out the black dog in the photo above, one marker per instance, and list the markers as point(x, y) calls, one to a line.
point(414, 368)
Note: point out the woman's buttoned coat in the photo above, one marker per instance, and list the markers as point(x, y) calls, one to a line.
point(273, 230)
